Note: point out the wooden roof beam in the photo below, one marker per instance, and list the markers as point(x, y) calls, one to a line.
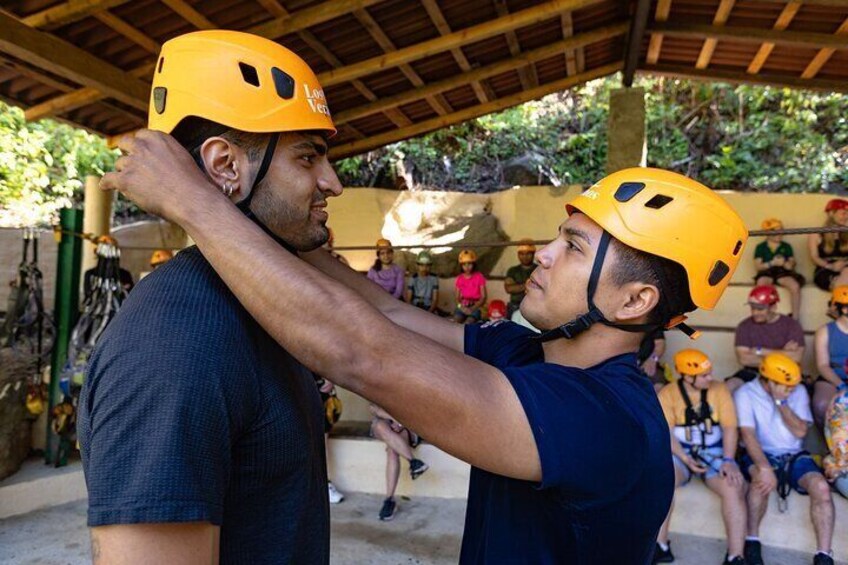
point(301, 19)
point(374, 141)
point(634, 41)
point(528, 76)
point(69, 12)
point(466, 36)
point(188, 13)
point(824, 55)
point(539, 54)
point(63, 59)
point(757, 35)
point(132, 33)
point(572, 56)
point(738, 77)
point(655, 43)
point(783, 21)
point(707, 50)
point(438, 103)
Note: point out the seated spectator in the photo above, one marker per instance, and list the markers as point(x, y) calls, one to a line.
point(384, 272)
point(400, 442)
point(470, 290)
point(829, 251)
point(160, 257)
point(497, 311)
point(774, 260)
point(517, 275)
point(332, 413)
point(423, 288)
point(774, 416)
point(702, 419)
point(650, 361)
point(831, 355)
point(328, 245)
point(836, 436)
point(765, 331)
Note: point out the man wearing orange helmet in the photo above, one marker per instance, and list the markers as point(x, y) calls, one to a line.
point(702, 419)
point(207, 443)
point(774, 415)
point(517, 275)
point(764, 331)
point(831, 344)
point(637, 250)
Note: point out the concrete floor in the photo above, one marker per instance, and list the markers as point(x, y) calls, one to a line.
point(424, 531)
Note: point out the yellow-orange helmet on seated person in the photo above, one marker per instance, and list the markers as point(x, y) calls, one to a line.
point(839, 295)
point(467, 256)
point(674, 217)
point(383, 243)
point(236, 79)
point(692, 362)
point(526, 246)
point(160, 256)
point(781, 369)
point(771, 224)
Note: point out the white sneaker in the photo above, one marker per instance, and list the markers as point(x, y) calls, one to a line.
point(335, 495)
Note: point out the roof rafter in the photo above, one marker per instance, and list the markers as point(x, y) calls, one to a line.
point(69, 12)
point(634, 41)
point(188, 13)
point(528, 76)
point(741, 77)
point(756, 35)
point(783, 21)
point(361, 146)
point(574, 59)
point(824, 55)
point(655, 44)
point(132, 33)
point(707, 50)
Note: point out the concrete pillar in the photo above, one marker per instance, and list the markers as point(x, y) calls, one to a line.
point(626, 140)
point(97, 218)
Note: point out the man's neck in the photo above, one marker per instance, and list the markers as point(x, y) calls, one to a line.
point(591, 348)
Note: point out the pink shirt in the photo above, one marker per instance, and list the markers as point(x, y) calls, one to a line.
point(470, 288)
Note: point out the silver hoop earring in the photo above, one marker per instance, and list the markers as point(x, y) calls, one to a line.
point(228, 189)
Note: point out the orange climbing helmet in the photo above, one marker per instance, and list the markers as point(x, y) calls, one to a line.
point(236, 79)
point(781, 369)
point(839, 295)
point(467, 256)
point(771, 224)
point(160, 256)
point(383, 243)
point(526, 246)
point(692, 362)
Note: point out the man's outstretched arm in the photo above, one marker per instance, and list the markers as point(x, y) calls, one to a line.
point(460, 404)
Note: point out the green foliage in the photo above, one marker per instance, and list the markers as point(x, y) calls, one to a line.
point(43, 166)
point(742, 138)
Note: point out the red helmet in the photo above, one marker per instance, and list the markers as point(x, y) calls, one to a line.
point(497, 310)
point(836, 204)
point(764, 295)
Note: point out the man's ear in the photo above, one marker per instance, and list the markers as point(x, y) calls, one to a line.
point(639, 300)
point(225, 165)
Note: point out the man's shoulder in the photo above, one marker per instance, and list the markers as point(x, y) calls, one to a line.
point(790, 322)
point(749, 390)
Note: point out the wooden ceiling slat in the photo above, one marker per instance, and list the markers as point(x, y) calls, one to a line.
point(188, 13)
point(755, 35)
point(441, 24)
point(128, 31)
point(567, 23)
point(767, 47)
point(741, 77)
point(823, 55)
point(69, 12)
point(479, 74)
point(655, 45)
point(439, 122)
point(528, 76)
point(722, 14)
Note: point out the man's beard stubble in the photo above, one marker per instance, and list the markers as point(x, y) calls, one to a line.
point(287, 222)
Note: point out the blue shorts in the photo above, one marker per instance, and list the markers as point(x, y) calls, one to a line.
point(475, 313)
point(802, 465)
point(709, 457)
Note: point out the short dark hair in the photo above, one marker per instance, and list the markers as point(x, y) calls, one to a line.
point(191, 132)
point(670, 278)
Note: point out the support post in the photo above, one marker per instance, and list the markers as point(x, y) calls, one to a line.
point(97, 217)
point(626, 130)
point(66, 310)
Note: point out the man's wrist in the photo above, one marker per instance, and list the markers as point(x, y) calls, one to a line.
point(758, 351)
point(779, 402)
point(729, 460)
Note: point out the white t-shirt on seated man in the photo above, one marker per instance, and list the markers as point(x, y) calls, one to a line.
point(755, 408)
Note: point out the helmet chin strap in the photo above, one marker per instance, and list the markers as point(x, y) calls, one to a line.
point(581, 323)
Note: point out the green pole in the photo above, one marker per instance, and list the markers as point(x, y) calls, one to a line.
point(66, 309)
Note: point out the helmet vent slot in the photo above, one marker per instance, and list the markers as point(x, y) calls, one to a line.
point(283, 82)
point(628, 190)
point(658, 201)
point(720, 270)
point(249, 74)
point(161, 62)
point(737, 249)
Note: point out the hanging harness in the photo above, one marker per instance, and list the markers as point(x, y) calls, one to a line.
point(784, 475)
point(581, 323)
point(701, 419)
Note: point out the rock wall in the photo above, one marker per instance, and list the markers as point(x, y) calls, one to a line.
point(15, 425)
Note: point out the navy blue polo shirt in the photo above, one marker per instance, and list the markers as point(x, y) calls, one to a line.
point(607, 476)
point(191, 412)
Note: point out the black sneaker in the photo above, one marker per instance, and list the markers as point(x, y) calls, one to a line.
point(663, 555)
point(387, 512)
point(753, 552)
point(822, 559)
point(417, 468)
point(738, 560)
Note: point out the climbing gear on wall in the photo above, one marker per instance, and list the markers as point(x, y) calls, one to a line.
point(667, 215)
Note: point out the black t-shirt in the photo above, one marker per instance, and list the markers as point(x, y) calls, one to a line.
point(607, 476)
point(191, 412)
